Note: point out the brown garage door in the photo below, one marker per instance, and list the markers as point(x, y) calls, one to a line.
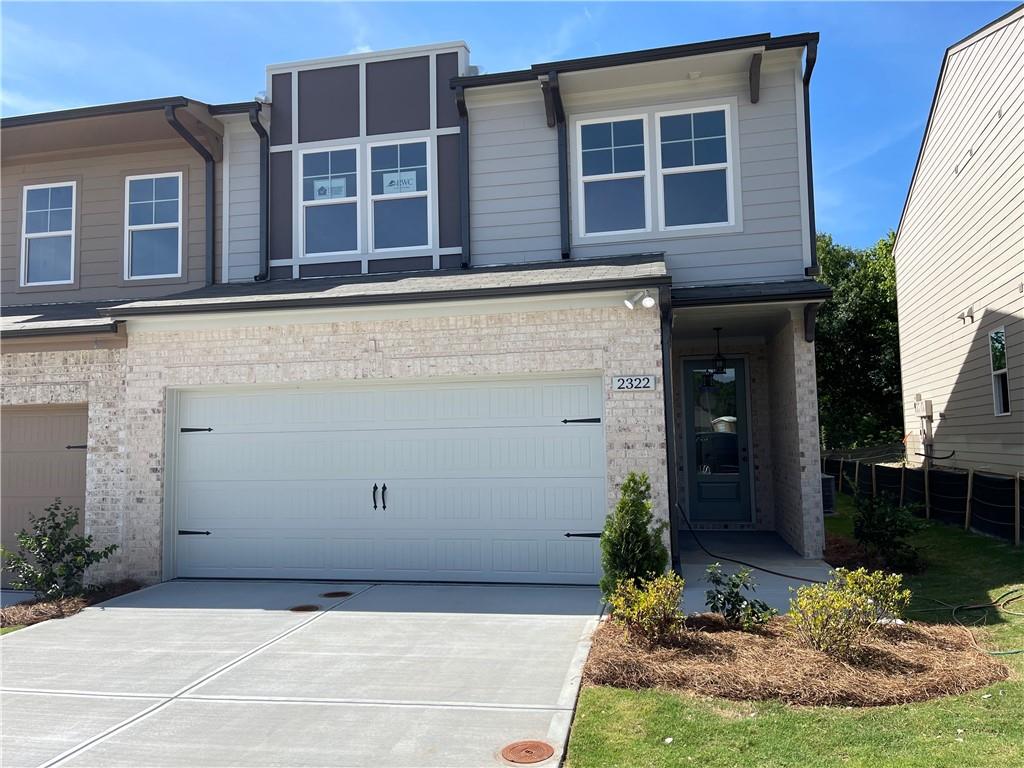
point(36, 465)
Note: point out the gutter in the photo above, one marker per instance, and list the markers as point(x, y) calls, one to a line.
point(29, 332)
point(188, 136)
point(254, 121)
point(812, 56)
point(122, 108)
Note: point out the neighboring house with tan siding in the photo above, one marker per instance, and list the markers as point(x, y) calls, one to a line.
point(960, 261)
point(432, 319)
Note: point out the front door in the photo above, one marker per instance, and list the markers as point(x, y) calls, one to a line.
point(716, 434)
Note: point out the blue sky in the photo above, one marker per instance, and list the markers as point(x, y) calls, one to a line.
point(870, 95)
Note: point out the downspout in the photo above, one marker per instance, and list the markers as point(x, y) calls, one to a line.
point(464, 220)
point(254, 120)
point(812, 57)
point(671, 462)
point(207, 156)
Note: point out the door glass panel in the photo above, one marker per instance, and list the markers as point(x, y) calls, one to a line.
point(716, 442)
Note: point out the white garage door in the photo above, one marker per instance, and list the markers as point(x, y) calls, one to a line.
point(453, 482)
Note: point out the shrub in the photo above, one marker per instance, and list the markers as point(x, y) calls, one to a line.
point(726, 597)
point(834, 617)
point(883, 590)
point(52, 558)
point(883, 530)
point(631, 545)
point(650, 610)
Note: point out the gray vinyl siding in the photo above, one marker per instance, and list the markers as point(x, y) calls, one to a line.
point(960, 247)
point(243, 201)
point(514, 192)
point(513, 184)
point(100, 223)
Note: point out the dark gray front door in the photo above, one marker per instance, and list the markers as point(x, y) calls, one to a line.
point(716, 434)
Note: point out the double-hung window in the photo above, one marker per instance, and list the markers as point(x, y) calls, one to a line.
point(153, 231)
point(613, 175)
point(693, 168)
point(330, 202)
point(1000, 375)
point(399, 195)
point(48, 247)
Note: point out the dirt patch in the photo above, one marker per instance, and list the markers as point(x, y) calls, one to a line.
point(913, 662)
point(842, 552)
point(36, 611)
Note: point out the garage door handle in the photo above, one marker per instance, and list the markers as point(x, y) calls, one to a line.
point(374, 495)
point(384, 495)
point(193, 533)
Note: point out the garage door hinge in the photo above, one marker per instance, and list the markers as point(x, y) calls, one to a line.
point(193, 533)
point(594, 420)
point(76, 447)
point(197, 429)
point(583, 535)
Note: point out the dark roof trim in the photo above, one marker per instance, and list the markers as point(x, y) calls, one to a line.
point(931, 111)
point(640, 57)
point(30, 331)
point(235, 108)
point(123, 108)
point(758, 293)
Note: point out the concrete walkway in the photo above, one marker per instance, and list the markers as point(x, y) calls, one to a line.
point(194, 673)
point(763, 549)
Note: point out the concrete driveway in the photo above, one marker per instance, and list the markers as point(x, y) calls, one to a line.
point(206, 673)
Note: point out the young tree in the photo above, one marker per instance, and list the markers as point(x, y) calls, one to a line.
point(858, 355)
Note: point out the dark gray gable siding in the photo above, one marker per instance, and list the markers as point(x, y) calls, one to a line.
point(450, 231)
point(280, 205)
point(329, 103)
point(398, 95)
point(446, 67)
point(281, 109)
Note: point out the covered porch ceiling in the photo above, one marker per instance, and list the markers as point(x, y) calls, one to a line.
point(739, 321)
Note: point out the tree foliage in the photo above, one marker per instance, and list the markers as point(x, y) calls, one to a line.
point(858, 355)
point(631, 544)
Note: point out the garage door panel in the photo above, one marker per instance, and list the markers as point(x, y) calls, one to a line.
point(482, 483)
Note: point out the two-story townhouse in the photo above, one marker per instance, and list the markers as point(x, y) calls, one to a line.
point(479, 301)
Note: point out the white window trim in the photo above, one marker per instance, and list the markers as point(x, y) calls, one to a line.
point(428, 193)
point(582, 181)
point(1005, 371)
point(727, 166)
point(357, 199)
point(129, 228)
point(26, 236)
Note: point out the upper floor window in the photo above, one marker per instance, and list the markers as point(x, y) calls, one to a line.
point(48, 245)
point(613, 175)
point(693, 154)
point(153, 226)
point(399, 196)
point(330, 202)
point(1000, 376)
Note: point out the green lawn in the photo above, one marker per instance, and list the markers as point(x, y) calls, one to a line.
point(983, 728)
point(5, 630)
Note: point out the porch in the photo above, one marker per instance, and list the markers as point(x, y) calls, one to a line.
point(746, 421)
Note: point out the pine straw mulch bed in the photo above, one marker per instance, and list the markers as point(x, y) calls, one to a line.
point(35, 611)
point(897, 665)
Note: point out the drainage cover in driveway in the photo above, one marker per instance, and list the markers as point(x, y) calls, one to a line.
point(527, 752)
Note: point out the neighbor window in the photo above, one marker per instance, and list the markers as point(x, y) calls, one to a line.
point(1000, 377)
point(48, 248)
point(399, 196)
point(613, 175)
point(693, 168)
point(153, 231)
point(330, 202)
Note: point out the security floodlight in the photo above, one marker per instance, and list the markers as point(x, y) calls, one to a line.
point(648, 301)
point(643, 298)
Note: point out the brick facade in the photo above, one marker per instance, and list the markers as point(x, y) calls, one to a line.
point(127, 390)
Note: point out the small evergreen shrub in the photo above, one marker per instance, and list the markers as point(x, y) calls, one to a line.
point(631, 545)
point(52, 558)
point(726, 597)
point(650, 610)
point(883, 530)
point(834, 617)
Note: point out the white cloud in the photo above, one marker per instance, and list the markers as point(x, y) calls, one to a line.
point(877, 142)
point(15, 103)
